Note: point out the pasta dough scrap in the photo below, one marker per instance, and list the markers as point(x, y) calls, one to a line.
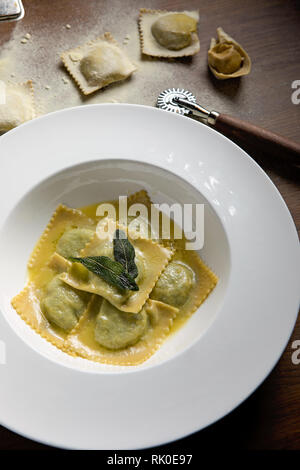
point(16, 104)
point(97, 63)
point(58, 263)
point(82, 340)
point(149, 44)
point(151, 258)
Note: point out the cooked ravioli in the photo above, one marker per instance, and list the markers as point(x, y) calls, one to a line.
point(63, 220)
point(115, 329)
point(51, 310)
point(27, 305)
point(169, 34)
point(174, 285)
point(16, 104)
point(97, 63)
point(63, 305)
point(84, 315)
point(82, 340)
point(73, 241)
point(151, 259)
point(46, 303)
point(204, 281)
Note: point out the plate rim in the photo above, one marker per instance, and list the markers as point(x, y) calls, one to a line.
point(283, 204)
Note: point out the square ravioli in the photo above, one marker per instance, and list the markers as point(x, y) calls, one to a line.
point(103, 330)
point(16, 104)
point(51, 309)
point(185, 283)
point(151, 258)
point(104, 320)
point(67, 229)
point(97, 63)
point(168, 34)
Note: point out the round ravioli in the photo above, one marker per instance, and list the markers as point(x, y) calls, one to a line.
point(174, 31)
point(116, 329)
point(73, 241)
point(174, 284)
point(63, 305)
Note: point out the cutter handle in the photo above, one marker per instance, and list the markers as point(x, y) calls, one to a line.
point(244, 132)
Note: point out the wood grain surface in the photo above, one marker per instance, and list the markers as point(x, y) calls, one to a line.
point(270, 32)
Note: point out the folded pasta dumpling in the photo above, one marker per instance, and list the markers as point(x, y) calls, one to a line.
point(97, 63)
point(151, 258)
point(125, 341)
point(227, 58)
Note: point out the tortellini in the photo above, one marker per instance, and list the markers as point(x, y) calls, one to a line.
point(174, 284)
point(63, 305)
point(115, 329)
point(73, 241)
point(226, 58)
point(174, 31)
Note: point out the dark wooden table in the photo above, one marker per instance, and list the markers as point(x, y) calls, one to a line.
point(270, 32)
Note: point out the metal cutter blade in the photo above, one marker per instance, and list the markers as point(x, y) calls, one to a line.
point(178, 100)
point(167, 100)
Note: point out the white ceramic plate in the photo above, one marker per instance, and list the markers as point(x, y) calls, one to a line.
point(82, 155)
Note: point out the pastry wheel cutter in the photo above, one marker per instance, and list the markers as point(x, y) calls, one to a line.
point(183, 102)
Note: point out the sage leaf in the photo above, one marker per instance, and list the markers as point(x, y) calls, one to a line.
point(124, 253)
point(111, 271)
